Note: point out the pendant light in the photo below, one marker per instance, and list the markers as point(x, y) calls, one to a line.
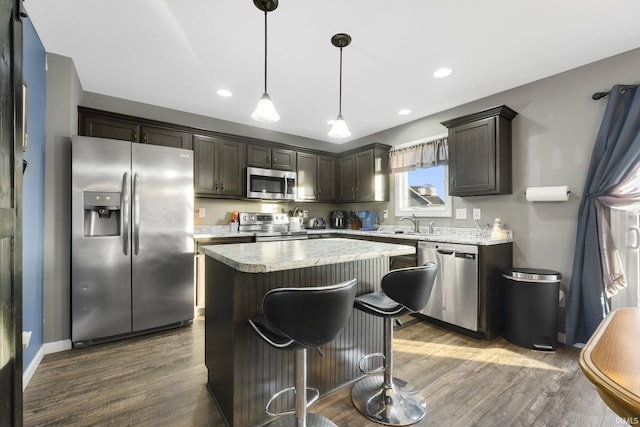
point(265, 111)
point(339, 128)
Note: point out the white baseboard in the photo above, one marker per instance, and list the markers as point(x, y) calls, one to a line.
point(47, 348)
point(56, 346)
point(31, 369)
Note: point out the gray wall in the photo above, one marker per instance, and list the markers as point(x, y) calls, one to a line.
point(63, 96)
point(553, 135)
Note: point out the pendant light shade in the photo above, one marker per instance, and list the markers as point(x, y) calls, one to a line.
point(265, 111)
point(339, 129)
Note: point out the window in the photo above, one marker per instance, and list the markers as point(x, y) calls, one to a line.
point(423, 192)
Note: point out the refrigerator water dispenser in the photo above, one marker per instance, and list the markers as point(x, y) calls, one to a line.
point(101, 214)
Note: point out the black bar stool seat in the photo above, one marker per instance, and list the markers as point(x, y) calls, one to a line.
point(383, 398)
point(296, 319)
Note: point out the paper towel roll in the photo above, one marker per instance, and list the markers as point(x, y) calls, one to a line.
point(558, 193)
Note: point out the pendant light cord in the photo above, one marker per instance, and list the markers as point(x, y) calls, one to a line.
point(340, 96)
point(265, 51)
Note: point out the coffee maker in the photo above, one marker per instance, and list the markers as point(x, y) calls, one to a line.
point(338, 219)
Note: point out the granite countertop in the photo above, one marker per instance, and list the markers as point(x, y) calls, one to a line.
point(472, 236)
point(265, 257)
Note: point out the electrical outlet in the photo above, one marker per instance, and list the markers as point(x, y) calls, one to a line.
point(476, 213)
point(461, 213)
point(385, 214)
point(201, 212)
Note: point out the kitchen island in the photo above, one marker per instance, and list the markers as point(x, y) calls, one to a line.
point(244, 371)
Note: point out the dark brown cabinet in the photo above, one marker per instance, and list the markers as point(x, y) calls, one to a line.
point(218, 167)
point(326, 178)
point(107, 127)
point(480, 153)
point(364, 175)
point(264, 156)
point(166, 137)
point(316, 177)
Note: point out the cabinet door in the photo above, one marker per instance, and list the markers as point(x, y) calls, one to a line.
point(283, 159)
point(347, 186)
point(103, 127)
point(230, 167)
point(472, 158)
point(258, 156)
point(166, 137)
point(204, 159)
point(365, 176)
point(307, 176)
point(326, 178)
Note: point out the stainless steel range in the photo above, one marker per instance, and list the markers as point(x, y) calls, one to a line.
point(269, 226)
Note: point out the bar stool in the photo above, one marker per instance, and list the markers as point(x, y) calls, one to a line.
point(297, 319)
point(383, 398)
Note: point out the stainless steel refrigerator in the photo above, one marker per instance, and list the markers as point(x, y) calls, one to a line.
point(132, 238)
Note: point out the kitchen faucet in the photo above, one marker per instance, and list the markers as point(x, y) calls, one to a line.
point(415, 220)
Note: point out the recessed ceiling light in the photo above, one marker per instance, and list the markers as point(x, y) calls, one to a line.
point(442, 72)
point(404, 112)
point(223, 92)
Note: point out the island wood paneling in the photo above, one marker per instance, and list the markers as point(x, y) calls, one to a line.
point(244, 371)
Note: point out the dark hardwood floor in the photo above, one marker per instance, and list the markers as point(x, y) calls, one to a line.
point(160, 380)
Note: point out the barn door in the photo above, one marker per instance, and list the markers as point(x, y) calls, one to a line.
point(10, 213)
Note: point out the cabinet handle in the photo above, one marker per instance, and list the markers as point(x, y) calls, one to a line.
point(144, 138)
point(221, 185)
point(135, 137)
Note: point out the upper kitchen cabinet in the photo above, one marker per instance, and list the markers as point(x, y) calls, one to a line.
point(268, 157)
point(316, 177)
point(480, 152)
point(218, 167)
point(101, 125)
point(326, 178)
point(104, 124)
point(364, 175)
point(166, 137)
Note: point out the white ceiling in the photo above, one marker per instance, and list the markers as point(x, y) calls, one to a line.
point(178, 53)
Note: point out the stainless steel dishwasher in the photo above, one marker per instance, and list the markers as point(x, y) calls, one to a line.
point(454, 298)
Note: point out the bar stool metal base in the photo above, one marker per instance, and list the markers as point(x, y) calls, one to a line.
point(398, 405)
point(312, 420)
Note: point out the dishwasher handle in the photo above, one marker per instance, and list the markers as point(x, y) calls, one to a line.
point(444, 251)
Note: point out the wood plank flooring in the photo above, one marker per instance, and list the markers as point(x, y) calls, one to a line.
point(160, 380)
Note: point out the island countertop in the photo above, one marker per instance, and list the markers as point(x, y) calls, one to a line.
point(263, 257)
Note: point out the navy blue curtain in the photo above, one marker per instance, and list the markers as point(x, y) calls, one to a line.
point(615, 155)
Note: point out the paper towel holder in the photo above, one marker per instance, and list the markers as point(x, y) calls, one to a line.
point(548, 194)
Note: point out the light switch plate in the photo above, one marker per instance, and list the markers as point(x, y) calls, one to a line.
point(385, 214)
point(201, 212)
point(476, 213)
point(461, 213)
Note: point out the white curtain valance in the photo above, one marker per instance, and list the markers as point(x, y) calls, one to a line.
point(419, 156)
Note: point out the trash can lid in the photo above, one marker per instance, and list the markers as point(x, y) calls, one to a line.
point(532, 275)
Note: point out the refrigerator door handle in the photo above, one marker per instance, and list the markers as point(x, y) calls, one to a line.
point(124, 208)
point(136, 215)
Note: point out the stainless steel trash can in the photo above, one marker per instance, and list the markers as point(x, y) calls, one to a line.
point(531, 307)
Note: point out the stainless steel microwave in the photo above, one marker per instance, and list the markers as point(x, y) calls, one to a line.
point(271, 184)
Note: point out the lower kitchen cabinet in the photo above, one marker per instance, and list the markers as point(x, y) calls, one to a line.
point(199, 264)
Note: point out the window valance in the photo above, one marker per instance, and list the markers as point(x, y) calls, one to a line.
point(423, 155)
